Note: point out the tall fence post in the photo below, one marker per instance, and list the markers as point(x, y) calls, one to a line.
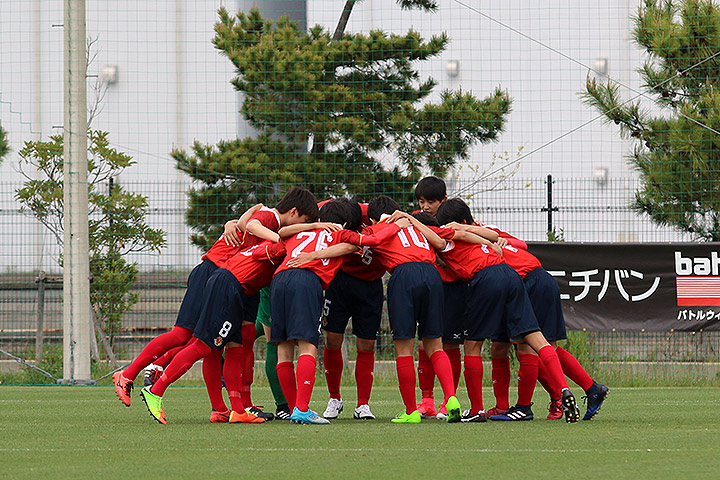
point(550, 208)
point(41, 280)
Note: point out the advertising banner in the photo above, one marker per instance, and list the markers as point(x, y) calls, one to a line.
point(636, 286)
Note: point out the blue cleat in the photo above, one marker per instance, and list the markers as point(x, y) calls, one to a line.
point(595, 397)
point(307, 418)
point(516, 413)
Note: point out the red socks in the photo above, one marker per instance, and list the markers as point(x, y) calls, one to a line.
point(473, 381)
point(167, 357)
point(548, 383)
point(426, 374)
point(552, 362)
point(527, 377)
point(456, 363)
point(176, 337)
point(443, 370)
point(212, 374)
point(333, 361)
point(406, 381)
point(247, 361)
point(286, 377)
point(573, 369)
point(180, 364)
point(306, 367)
point(501, 381)
point(364, 368)
point(233, 377)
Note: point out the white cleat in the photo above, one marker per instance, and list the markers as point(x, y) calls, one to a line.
point(334, 407)
point(363, 413)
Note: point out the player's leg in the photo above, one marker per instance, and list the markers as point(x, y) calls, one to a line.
point(527, 378)
point(426, 381)
point(473, 381)
point(333, 363)
point(500, 358)
point(286, 372)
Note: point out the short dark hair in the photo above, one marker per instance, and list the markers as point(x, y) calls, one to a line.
point(334, 212)
point(354, 211)
point(301, 199)
point(454, 210)
point(381, 205)
point(431, 188)
point(426, 219)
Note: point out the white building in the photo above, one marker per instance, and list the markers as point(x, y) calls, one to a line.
point(171, 87)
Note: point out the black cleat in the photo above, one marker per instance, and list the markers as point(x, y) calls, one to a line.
point(268, 416)
point(596, 395)
point(468, 417)
point(283, 412)
point(572, 414)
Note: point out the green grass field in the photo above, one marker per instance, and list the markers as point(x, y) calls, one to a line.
point(84, 432)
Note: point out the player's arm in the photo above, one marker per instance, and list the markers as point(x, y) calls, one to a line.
point(375, 239)
point(477, 230)
point(291, 230)
point(438, 243)
point(233, 226)
point(332, 251)
point(272, 252)
point(261, 231)
point(470, 237)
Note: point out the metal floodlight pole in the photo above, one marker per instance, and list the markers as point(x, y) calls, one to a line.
point(76, 266)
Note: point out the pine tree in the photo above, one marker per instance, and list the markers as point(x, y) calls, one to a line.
point(345, 116)
point(677, 144)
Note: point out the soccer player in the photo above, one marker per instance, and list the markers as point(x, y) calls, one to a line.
point(415, 301)
point(357, 293)
point(297, 205)
point(223, 310)
point(499, 308)
point(544, 296)
point(296, 303)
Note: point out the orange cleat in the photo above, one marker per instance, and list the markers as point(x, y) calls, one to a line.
point(123, 387)
point(245, 417)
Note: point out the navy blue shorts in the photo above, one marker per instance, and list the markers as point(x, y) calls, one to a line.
point(454, 311)
point(296, 300)
point(544, 294)
point(348, 296)
point(222, 311)
point(193, 300)
point(498, 307)
point(415, 301)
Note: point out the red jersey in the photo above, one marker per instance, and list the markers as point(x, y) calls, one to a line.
point(408, 245)
point(522, 261)
point(363, 265)
point(466, 259)
point(515, 242)
point(220, 252)
point(252, 271)
point(315, 240)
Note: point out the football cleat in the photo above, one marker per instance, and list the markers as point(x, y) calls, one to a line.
point(334, 407)
point(572, 414)
point(152, 374)
point(596, 395)
point(495, 411)
point(468, 417)
point(555, 410)
point(282, 412)
point(363, 413)
point(404, 417)
point(454, 412)
point(245, 417)
point(154, 405)
point(257, 411)
point(442, 413)
point(123, 387)
point(219, 417)
point(307, 418)
point(516, 413)
point(427, 408)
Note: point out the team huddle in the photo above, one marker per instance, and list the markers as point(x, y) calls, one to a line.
point(292, 271)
